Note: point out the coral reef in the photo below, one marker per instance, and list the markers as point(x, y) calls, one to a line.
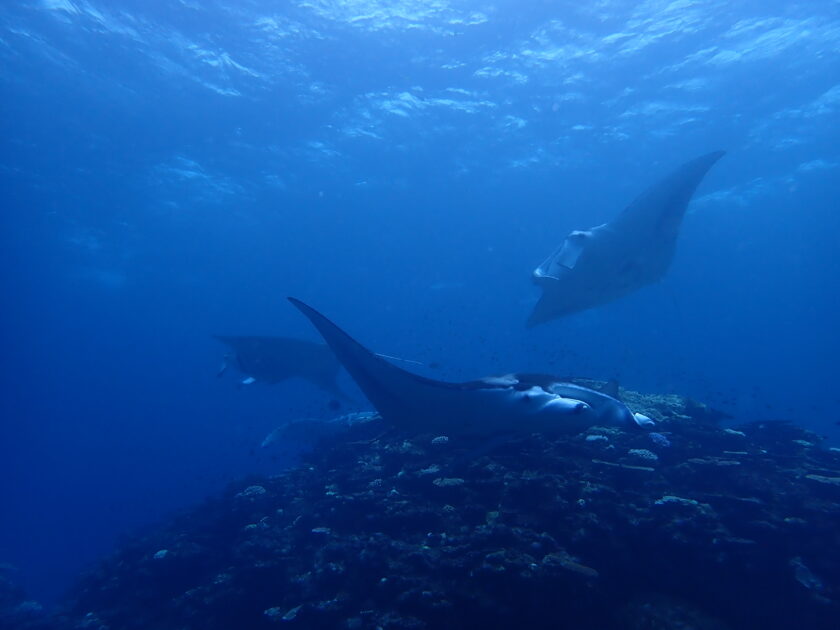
point(16, 610)
point(694, 526)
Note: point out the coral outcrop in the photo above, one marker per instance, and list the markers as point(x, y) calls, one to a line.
point(693, 526)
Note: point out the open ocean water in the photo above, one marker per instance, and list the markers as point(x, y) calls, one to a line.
point(172, 171)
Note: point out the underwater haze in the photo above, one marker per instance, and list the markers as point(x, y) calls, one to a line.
point(173, 170)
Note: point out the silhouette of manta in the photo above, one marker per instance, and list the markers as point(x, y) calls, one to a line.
point(275, 359)
point(514, 402)
point(601, 264)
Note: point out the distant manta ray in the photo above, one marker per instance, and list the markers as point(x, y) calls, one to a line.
point(515, 402)
point(596, 266)
point(275, 359)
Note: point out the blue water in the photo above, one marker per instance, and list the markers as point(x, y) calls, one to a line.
point(174, 170)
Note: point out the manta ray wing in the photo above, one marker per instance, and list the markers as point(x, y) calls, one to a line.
point(596, 266)
point(659, 210)
point(404, 399)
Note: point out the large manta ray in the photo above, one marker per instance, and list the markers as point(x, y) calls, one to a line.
point(275, 359)
point(523, 402)
point(595, 266)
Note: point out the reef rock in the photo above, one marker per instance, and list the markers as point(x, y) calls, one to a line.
point(699, 528)
point(17, 611)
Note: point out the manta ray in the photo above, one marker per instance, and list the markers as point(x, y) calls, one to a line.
point(513, 402)
point(275, 359)
point(601, 264)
